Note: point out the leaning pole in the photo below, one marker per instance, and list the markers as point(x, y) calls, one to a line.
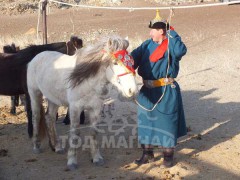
point(44, 21)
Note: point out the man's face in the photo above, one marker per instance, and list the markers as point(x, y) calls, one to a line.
point(156, 35)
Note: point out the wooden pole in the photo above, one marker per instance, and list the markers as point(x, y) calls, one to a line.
point(44, 21)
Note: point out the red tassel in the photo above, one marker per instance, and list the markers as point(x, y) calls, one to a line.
point(159, 51)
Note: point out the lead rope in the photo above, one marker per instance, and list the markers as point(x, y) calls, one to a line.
point(168, 22)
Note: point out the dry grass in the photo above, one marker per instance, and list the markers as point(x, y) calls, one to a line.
point(88, 37)
point(22, 41)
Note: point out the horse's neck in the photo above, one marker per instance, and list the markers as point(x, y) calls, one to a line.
point(99, 83)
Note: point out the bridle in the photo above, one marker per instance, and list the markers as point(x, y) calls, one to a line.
point(120, 63)
point(122, 58)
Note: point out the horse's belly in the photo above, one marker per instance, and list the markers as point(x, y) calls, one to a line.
point(56, 95)
point(12, 83)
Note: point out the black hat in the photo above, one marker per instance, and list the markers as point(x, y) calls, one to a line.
point(157, 25)
point(157, 22)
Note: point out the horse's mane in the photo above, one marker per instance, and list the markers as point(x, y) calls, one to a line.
point(91, 58)
point(24, 56)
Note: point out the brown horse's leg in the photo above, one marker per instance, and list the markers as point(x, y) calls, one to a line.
point(29, 115)
point(66, 120)
point(82, 117)
point(23, 100)
point(13, 104)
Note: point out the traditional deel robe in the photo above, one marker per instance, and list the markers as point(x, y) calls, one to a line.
point(163, 125)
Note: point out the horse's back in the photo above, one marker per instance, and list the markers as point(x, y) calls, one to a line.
point(48, 72)
point(50, 61)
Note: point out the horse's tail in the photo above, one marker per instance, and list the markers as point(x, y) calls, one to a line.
point(42, 124)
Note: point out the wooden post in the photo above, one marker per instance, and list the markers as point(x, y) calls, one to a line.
point(44, 21)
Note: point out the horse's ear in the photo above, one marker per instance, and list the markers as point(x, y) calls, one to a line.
point(126, 43)
point(109, 42)
point(126, 38)
point(73, 39)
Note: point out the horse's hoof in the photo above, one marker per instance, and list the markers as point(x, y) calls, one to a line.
point(100, 162)
point(37, 151)
point(72, 167)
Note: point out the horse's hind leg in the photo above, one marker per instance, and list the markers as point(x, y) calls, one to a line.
point(51, 126)
point(36, 104)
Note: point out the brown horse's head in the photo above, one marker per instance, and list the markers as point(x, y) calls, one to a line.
point(74, 44)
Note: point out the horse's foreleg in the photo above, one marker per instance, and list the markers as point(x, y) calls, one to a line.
point(50, 116)
point(73, 139)
point(97, 159)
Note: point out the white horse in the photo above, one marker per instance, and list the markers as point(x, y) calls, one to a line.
point(79, 82)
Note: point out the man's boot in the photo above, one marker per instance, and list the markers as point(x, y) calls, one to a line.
point(147, 156)
point(167, 158)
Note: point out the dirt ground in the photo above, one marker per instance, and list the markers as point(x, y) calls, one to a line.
point(209, 79)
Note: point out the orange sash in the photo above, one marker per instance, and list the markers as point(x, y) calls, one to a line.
point(159, 51)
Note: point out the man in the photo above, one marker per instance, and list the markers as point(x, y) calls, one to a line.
point(160, 111)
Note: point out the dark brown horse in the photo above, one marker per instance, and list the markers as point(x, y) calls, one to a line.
point(13, 69)
point(14, 99)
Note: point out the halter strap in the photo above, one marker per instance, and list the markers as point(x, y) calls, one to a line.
point(123, 74)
